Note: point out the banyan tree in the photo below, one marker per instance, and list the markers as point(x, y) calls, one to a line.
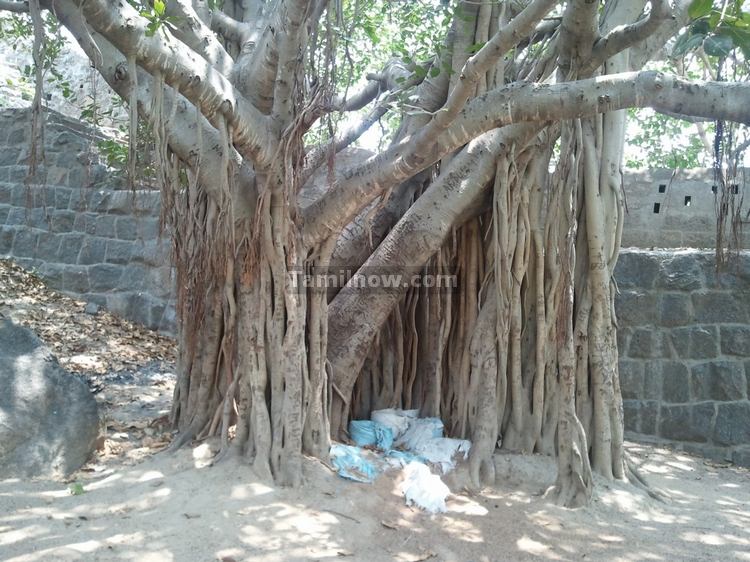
point(499, 166)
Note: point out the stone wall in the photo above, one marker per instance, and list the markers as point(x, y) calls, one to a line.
point(82, 232)
point(674, 209)
point(684, 343)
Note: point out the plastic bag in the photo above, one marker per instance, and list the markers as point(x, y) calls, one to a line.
point(442, 450)
point(365, 433)
point(350, 463)
point(424, 489)
point(398, 420)
point(399, 459)
point(420, 431)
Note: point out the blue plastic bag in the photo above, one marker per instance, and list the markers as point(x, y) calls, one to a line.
point(350, 464)
point(366, 433)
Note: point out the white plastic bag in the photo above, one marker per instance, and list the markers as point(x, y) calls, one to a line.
point(397, 420)
point(424, 489)
point(420, 431)
point(441, 451)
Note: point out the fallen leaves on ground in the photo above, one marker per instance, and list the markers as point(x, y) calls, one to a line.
point(83, 343)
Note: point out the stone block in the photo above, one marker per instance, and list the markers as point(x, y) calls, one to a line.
point(631, 379)
point(719, 307)
point(150, 252)
point(9, 155)
point(69, 142)
point(676, 423)
point(121, 203)
point(62, 198)
point(732, 424)
point(134, 277)
point(631, 412)
point(675, 382)
point(85, 222)
point(70, 247)
point(636, 308)
point(148, 228)
point(649, 417)
point(675, 309)
point(636, 270)
point(127, 228)
point(652, 381)
point(4, 210)
point(718, 380)
point(695, 342)
point(48, 246)
point(105, 226)
point(62, 221)
point(76, 279)
point(680, 272)
point(6, 191)
point(16, 216)
point(118, 251)
point(646, 343)
point(104, 277)
point(7, 236)
point(92, 251)
point(24, 245)
point(735, 340)
point(52, 273)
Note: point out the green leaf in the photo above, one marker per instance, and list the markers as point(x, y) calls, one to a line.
point(76, 489)
point(160, 6)
point(687, 42)
point(371, 33)
point(718, 45)
point(699, 8)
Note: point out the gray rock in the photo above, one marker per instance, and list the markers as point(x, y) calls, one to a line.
point(680, 272)
point(104, 277)
point(91, 308)
point(718, 380)
point(631, 379)
point(636, 270)
point(735, 340)
point(92, 251)
point(675, 382)
point(647, 343)
point(676, 423)
point(719, 307)
point(636, 308)
point(675, 309)
point(732, 424)
point(649, 416)
point(48, 418)
point(695, 342)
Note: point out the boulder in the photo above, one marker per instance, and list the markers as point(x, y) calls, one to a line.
point(49, 421)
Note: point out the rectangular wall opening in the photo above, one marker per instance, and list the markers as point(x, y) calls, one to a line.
point(657, 207)
point(662, 188)
point(688, 200)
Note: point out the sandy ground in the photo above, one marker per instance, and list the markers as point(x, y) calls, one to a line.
point(135, 501)
point(142, 506)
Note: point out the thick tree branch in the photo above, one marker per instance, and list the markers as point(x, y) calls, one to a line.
point(183, 136)
point(190, 74)
point(356, 316)
point(190, 29)
point(514, 104)
point(228, 27)
point(625, 36)
point(578, 32)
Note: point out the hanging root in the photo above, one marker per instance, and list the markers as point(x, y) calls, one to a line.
point(637, 479)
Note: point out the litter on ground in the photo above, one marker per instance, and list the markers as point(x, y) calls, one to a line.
point(395, 439)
